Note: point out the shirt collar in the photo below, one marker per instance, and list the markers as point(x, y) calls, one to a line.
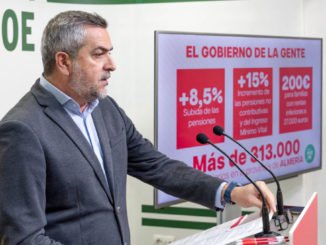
point(66, 101)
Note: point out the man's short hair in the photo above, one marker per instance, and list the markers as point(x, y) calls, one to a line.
point(66, 33)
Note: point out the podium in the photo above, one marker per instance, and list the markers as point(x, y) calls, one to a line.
point(304, 231)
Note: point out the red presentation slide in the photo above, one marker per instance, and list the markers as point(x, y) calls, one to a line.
point(200, 104)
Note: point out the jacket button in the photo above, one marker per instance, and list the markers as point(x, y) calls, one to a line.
point(117, 209)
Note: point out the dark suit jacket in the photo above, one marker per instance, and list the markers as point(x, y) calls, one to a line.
point(52, 188)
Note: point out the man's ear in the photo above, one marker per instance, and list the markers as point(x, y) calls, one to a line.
point(63, 63)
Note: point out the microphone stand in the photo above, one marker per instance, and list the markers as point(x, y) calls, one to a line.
point(279, 196)
point(203, 139)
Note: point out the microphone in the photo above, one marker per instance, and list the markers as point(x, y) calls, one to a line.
point(218, 130)
point(203, 139)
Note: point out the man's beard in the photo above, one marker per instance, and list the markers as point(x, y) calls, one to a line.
point(83, 87)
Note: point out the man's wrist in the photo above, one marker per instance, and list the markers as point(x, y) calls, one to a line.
point(227, 190)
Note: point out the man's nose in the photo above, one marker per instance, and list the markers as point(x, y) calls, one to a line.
point(110, 64)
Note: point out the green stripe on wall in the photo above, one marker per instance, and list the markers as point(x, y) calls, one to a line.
point(179, 211)
point(177, 224)
point(246, 212)
point(124, 1)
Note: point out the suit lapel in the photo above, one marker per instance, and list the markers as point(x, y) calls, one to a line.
point(56, 112)
point(105, 145)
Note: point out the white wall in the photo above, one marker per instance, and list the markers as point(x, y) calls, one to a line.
point(314, 19)
point(132, 85)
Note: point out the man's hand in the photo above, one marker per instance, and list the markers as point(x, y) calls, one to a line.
point(248, 196)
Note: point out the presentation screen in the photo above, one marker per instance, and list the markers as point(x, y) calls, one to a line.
point(264, 91)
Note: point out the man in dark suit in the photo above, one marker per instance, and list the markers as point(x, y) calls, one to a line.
point(66, 148)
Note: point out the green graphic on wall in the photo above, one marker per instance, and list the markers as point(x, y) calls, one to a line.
point(124, 1)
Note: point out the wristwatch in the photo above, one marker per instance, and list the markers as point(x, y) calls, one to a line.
point(229, 189)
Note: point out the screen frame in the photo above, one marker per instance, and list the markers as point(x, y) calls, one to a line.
point(158, 205)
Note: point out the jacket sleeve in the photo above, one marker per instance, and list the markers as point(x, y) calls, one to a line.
point(171, 176)
point(22, 186)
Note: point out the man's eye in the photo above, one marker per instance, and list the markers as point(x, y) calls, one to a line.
point(98, 54)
